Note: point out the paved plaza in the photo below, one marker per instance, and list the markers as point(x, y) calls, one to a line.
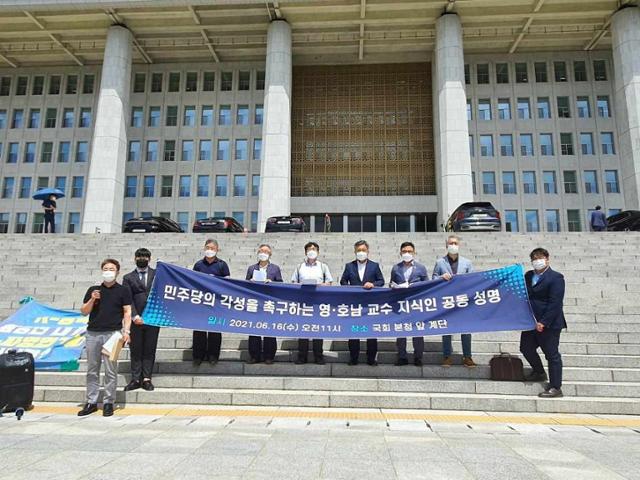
point(156, 442)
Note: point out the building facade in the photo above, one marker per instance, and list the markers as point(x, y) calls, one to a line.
point(386, 145)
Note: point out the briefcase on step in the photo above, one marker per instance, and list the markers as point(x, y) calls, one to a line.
point(16, 380)
point(506, 367)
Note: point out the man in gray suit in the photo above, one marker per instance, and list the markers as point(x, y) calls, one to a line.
point(446, 267)
point(403, 274)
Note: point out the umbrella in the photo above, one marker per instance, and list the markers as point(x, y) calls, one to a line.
point(45, 193)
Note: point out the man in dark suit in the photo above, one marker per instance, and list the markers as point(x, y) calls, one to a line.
point(546, 295)
point(403, 274)
point(144, 338)
point(367, 274)
point(263, 348)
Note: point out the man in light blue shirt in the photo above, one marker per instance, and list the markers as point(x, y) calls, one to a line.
point(446, 268)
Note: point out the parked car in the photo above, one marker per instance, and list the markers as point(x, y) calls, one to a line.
point(151, 224)
point(474, 217)
point(285, 224)
point(628, 221)
point(217, 225)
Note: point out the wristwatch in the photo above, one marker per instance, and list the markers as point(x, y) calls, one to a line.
point(127, 332)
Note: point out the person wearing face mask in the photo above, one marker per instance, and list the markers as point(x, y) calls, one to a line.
point(403, 274)
point(206, 345)
point(109, 308)
point(311, 271)
point(446, 268)
point(144, 338)
point(263, 348)
point(546, 296)
point(367, 274)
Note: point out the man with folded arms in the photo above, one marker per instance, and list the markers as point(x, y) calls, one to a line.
point(109, 308)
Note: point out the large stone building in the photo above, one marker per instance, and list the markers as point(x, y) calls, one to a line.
point(386, 114)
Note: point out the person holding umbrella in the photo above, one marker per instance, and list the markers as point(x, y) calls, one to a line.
point(49, 197)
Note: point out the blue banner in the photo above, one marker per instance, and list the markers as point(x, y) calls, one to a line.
point(54, 337)
point(494, 300)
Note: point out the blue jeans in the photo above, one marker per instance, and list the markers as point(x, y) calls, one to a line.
point(447, 348)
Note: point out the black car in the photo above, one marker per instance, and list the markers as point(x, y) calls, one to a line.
point(151, 224)
point(217, 225)
point(474, 217)
point(627, 221)
point(285, 224)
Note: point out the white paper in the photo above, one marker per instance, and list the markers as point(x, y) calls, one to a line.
point(399, 285)
point(309, 281)
point(259, 275)
point(110, 344)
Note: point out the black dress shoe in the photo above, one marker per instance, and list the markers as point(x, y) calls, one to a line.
point(107, 409)
point(213, 361)
point(148, 386)
point(372, 363)
point(352, 362)
point(268, 361)
point(401, 361)
point(252, 360)
point(88, 409)
point(320, 361)
point(132, 385)
point(551, 393)
point(300, 361)
point(536, 377)
point(197, 362)
point(418, 362)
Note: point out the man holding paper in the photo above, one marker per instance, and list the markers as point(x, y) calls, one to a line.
point(263, 348)
point(403, 274)
point(109, 308)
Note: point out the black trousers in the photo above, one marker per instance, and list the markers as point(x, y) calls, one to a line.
point(144, 341)
point(303, 348)
point(548, 340)
point(262, 348)
point(206, 345)
point(418, 348)
point(372, 349)
point(49, 221)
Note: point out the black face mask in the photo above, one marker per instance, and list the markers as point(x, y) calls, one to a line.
point(142, 262)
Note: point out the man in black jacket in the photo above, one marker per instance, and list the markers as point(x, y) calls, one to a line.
point(144, 338)
point(367, 274)
point(546, 295)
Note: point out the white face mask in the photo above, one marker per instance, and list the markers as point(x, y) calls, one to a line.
point(539, 264)
point(210, 253)
point(108, 276)
point(361, 256)
point(453, 249)
point(407, 257)
point(263, 257)
point(312, 254)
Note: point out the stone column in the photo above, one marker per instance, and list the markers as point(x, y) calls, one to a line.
point(105, 185)
point(625, 27)
point(451, 131)
point(275, 169)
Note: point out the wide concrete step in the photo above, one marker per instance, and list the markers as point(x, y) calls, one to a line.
point(361, 399)
point(433, 358)
point(585, 374)
point(611, 348)
point(597, 389)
